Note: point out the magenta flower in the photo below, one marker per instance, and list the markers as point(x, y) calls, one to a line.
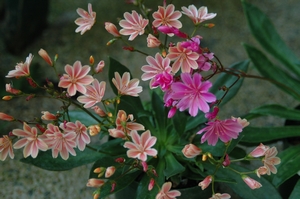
point(126, 86)
point(182, 57)
point(76, 78)
point(172, 31)
point(21, 69)
point(133, 25)
point(164, 80)
point(94, 94)
point(167, 17)
point(140, 146)
point(165, 192)
point(223, 129)
point(197, 16)
point(86, 21)
point(192, 93)
point(270, 160)
point(31, 141)
point(6, 148)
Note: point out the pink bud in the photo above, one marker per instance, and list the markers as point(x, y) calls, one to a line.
point(253, 184)
point(48, 116)
point(99, 111)
point(112, 29)
point(259, 151)
point(100, 67)
point(145, 166)
point(205, 183)
point(94, 182)
point(6, 117)
point(151, 184)
point(120, 160)
point(113, 186)
point(226, 162)
point(12, 90)
point(152, 41)
point(213, 114)
point(110, 171)
point(45, 56)
point(191, 151)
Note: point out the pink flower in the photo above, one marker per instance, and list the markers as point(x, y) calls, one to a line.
point(99, 67)
point(82, 138)
point(259, 151)
point(110, 171)
point(223, 129)
point(182, 57)
point(45, 56)
point(261, 171)
point(152, 41)
point(126, 86)
point(86, 21)
point(253, 184)
point(48, 116)
point(172, 31)
point(124, 125)
point(193, 44)
point(94, 182)
point(133, 25)
point(192, 93)
point(6, 148)
point(21, 69)
point(4, 116)
point(206, 182)
point(165, 192)
point(76, 78)
point(270, 160)
point(12, 90)
point(94, 94)
point(112, 29)
point(31, 142)
point(167, 17)
point(156, 65)
point(213, 114)
point(62, 143)
point(198, 16)
point(191, 151)
point(140, 146)
point(221, 196)
point(164, 80)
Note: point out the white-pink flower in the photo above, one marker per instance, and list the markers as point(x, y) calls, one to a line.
point(21, 69)
point(87, 19)
point(30, 140)
point(126, 86)
point(94, 94)
point(133, 25)
point(141, 145)
point(76, 78)
point(197, 16)
point(167, 193)
point(167, 17)
point(152, 41)
point(221, 196)
point(270, 160)
point(6, 148)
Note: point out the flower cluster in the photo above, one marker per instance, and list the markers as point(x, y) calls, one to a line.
point(180, 76)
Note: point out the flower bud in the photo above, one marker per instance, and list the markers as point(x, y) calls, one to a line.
point(259, 151)
point(120, 160)
point(4, 116)
point(48, 116)
point(99, 67)
point(100, 171)
point(145, 166)
point(94, 182)
point(99, 111)
point(191, 151)
point(226, 161)
point(94, 130)
point(112, 29)
point(205, 183)
point(113, 186)
point(45, 56)
point(152, 41)
point(92, 60)
point(209, 25)
point(151, 184)
point(253, 184)
point(12, 90)
point(110, 171)
point(7, 97)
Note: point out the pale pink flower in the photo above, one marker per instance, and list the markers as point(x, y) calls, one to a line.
point(4, 116)
point(270, 160)
point(99, 111)
point(6, 148)
point(62, 143)
point(110, 171)
point(12, 90)
point(94, 130)
point(31, 141)
point(140, 146)
point(156, 65)
point(112, 29)
point(21, 69)
point(224, 129)
point(220, 196)
point(197, 16)
point(82, 138)
point(126, 86)
point(76, 78)
point(192, 93)
point(253, 184)
point(206, 182)
point(259, 151)
point(191, 151)
point(133, 25)
point(124, 125)
point(152, 41)
point(243, 122)
point(45, 56)
point(167, 193)
point(94, 182)
point(93, 95)
point(87, 19)
point(167, 17)
point(48, 116)
point(183, 58)
point(262, 171)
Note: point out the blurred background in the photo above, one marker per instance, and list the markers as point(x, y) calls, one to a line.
point(27, 26)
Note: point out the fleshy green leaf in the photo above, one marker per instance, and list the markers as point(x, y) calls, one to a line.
point(84, 117)
point(265, 134)
point(276, 75)
point(289, 165)
point(179, 122)
point(296, 191)
point(173, 167)
point(265, 33)
point(160, 113)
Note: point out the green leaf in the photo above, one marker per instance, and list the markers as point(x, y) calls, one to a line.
point(275, 75)
point(227, 80)
point(83, 117)
point(173, 167)
point(45, 160)
point(193, 122)
point(277, 110)
point(296, 191)
point(265, 134)
point(179, 122)
point(289, 165)
point(265, 33)
point(160, 113)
